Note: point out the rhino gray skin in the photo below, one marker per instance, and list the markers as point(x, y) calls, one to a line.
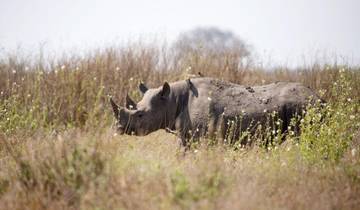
point(192, 108)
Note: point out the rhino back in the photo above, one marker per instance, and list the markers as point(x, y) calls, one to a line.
point(216, 101)
point(237, 98)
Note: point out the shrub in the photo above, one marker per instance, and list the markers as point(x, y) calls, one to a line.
point(327, 129)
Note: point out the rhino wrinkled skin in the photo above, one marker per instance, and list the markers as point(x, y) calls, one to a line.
point(193, 108)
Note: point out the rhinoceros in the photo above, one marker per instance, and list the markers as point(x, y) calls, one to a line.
point(200, 106)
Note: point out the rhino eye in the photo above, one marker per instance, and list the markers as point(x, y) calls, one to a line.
point(140, 115)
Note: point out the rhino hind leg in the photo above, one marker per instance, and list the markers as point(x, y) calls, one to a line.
point(229, 129)
point(288, 113)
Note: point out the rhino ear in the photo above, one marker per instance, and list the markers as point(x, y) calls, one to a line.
point(130, 104)
point(115, 108)
point(165, 90)
point(143, 88)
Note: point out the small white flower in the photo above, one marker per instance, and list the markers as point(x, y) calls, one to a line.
point(352, 117)
point(63, 67)
point(288, 149)
point(195, 151)
point(27, 68)
point(2, 93)
point(274, 132)
point(95, 78)
point(131, 79)
point(197, 129)
point(115, 134)
point(117, 68)
point(29, 95)
point(8, 119)
point(353, 152)
point(131, 106)
point(349, 99)
point(209, 99)
point(277, 123)
point(14, 71)
point(77, 68)
point(265, 110)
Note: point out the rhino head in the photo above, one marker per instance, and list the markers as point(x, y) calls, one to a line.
point(148, 115)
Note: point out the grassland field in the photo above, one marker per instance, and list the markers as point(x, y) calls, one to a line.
point(59, 150)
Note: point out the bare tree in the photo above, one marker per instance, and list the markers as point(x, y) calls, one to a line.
point(211, 40)
point(211, 49)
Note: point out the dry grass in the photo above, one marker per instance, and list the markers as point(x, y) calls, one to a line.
point(76, 170)
point(57, 150)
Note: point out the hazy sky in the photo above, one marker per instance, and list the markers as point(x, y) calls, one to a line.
point(285, 30)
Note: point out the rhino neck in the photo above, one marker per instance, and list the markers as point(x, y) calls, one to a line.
point(178, 103)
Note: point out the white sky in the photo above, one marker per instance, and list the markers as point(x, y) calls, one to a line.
point(285, 30)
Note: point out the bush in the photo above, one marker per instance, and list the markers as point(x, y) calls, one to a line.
point(328, 129)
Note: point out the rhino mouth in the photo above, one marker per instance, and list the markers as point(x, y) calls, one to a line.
point(132, 132)
point(124, 130)
point(129, 130)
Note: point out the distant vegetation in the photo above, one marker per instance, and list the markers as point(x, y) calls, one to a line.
point(57, 148)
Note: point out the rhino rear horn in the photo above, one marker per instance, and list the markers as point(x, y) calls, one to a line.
point(165, 90)
point(130, 104)
point(115, 108)
point(143, 88)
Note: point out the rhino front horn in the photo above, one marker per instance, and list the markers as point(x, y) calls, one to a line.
point(115, 107)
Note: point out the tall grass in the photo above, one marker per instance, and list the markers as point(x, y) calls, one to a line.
point(57, 148)
point(72, 91)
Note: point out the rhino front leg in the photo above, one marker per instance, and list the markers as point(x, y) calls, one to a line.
point(181, 139)
point(183, 125)
point(182, 142)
